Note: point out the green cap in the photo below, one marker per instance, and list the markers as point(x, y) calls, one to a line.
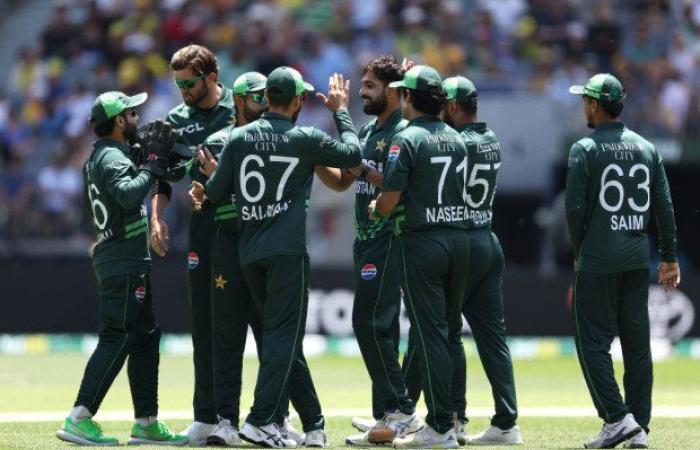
point(419, 78)
point(459, 89)
point(112, 104)
point(285, 82)
point(249, 82)
point(602, 86)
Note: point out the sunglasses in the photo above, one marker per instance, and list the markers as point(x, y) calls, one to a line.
point(259, 99)
point(130, 112)
point(188, 84)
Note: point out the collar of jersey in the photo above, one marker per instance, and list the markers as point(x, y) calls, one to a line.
point(391, 121)
point(474, 126)
point(610, 126)
point(278, 116)
point(424, 118)
point(112, 143)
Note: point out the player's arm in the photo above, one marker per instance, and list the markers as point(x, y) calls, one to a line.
point(577, 178)
point(220, 185)
point(384, 205)
point(662, 206)
point(336, 179)
point(126, 190)
point(330, 152)
point(395, 180)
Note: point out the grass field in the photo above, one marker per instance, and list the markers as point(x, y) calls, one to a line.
point(30, 385)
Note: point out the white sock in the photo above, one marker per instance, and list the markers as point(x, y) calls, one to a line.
point(145, 421)
point(79, 413)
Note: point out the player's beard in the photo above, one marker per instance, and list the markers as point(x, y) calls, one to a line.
point(250, 114)
point(197, 97)
point(448, 119)
point(130, 132)
point(295, 115)
point(375, 106)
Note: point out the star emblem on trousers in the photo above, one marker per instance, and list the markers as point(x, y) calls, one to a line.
point(220, 282)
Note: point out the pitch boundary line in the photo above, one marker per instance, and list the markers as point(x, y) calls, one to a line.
point(543, 411)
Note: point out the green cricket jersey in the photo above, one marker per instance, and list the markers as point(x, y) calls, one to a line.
point(484, 161)
point(428, 162)
point(193, 125)
point(114, 193)
point(614, 177)
point(225, 212)
point(269, 165)
point(375, 141)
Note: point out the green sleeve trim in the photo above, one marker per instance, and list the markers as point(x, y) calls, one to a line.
point(136, 224)
point(136, 232)
point(225, 208)
point(221, 217)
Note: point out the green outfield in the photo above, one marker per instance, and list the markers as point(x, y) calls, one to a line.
point(36, 390)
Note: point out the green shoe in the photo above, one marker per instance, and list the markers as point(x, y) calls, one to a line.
point(85, 432)
point(156, 433)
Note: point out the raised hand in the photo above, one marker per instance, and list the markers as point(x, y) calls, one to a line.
point(338, 93)
point(207, 162)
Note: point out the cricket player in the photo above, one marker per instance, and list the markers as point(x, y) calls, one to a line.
point(269, 165)
point(425, 182)
point(115, 188)
point(483, 302)
point(615, 178)
point(232, 305)
point(207, 107)
point(231, 297)
point(377, 301)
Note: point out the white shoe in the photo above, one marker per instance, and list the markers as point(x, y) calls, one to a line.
point(639, 440)
point(426, 437)
point(460, 432)
point(362, 424)
point(495, 436)
point(265, 436)
point(614, 433)
point(362, 439)
point(288, 431)
point(224, 435)
point(197, 433)
point(316, 438)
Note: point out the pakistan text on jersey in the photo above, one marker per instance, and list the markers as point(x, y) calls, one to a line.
point(365, 187)
point(446, 214)
point(189, 129)
point(627, 222)
point(260, 212)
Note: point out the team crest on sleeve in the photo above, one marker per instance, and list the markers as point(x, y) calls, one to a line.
point(394, 151)
point(368, 272)
point(192, 260)
point(140, 294)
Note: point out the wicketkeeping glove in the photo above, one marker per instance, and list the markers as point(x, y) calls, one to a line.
point(158, 140)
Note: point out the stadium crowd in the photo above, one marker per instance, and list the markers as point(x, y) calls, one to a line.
point(505, 46)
